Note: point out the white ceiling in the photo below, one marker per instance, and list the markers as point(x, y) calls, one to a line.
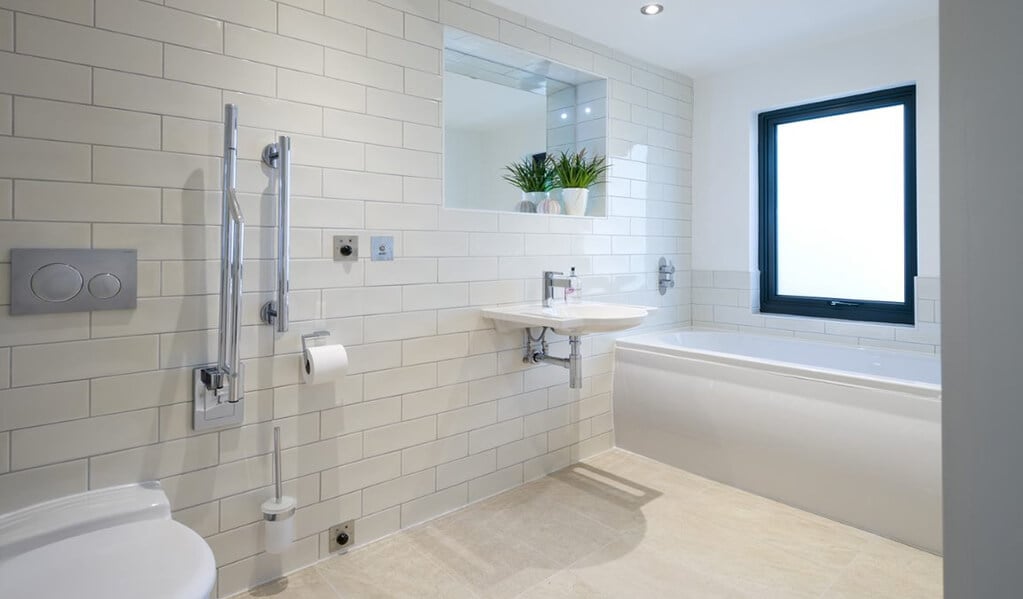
point(697, 37)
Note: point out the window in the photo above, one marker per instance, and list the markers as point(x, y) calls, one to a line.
point(838, 208)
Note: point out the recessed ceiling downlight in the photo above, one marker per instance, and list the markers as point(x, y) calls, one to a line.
point(651, 9)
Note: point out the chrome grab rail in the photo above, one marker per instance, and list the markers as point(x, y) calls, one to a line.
point(278, 156)
point(218, 389)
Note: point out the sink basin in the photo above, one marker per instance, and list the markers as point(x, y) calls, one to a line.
point(569, 319)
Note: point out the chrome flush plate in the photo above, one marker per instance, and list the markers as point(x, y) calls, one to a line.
point(45, 281)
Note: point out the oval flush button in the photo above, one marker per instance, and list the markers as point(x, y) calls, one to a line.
point(56, 282)
point(104, 286)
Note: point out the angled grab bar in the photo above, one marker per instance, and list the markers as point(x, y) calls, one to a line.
point(278, 156)
point(233, 365)
point(218, 389)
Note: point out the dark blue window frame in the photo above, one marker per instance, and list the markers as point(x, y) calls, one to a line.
point(834, 307)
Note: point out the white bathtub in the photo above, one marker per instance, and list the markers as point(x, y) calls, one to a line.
point(852, 433)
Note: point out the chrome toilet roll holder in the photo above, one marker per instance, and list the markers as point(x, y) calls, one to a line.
point(305, 347)
point(313, 335)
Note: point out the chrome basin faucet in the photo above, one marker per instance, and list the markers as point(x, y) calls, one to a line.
point(551, 280)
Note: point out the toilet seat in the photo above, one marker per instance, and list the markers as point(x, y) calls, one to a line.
point(154, 559)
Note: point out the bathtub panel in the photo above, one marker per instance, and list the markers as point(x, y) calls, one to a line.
point(867, 457)
point(912, 372)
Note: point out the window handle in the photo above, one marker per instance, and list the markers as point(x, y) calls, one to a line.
point(841, 304)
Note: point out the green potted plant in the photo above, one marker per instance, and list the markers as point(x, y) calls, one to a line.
point(574, 173)
point(534, 177)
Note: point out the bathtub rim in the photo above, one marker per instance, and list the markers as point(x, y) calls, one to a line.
point(644, 343)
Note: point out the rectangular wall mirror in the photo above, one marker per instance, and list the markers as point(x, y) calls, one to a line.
point(502, 106)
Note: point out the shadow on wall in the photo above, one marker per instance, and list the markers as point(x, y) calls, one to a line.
point(150, 466)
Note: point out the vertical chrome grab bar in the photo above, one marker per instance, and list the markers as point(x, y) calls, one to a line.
point(218, 388)
point(278, 156)
point(284, 237)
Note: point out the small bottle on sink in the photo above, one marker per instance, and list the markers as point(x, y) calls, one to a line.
point(574, 291)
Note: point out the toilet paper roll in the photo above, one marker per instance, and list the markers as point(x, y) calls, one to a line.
point(324, 364)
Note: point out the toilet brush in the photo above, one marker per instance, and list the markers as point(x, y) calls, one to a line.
point(278, 511)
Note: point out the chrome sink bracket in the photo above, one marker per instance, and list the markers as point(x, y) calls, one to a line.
point(277, 156)
point(218, 389)
point(535, 348)
point(536, 353)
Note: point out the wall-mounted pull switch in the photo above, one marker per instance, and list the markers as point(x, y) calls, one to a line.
point(383, 248)
point(346, 248)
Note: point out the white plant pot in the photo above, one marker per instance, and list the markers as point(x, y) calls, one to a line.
point(575, 199)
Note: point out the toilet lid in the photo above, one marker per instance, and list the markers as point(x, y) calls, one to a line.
point(155, 559)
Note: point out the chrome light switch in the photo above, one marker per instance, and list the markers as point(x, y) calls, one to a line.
point(383, 248)
point(75, 280)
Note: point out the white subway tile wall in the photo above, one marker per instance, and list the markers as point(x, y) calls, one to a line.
point(110, 137)
point(724, 299)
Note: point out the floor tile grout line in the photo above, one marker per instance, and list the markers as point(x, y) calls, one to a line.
point(840, 572)
point(322, 577)
point(401, 536)
point(571, 565)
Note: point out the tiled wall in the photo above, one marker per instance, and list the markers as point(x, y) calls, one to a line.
point(110, 137)
point(724, 299)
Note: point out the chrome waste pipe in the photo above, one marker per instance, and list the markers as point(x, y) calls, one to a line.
point(218, 389)
point(536, 353)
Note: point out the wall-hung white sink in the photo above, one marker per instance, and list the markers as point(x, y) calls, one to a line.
point(569, 319)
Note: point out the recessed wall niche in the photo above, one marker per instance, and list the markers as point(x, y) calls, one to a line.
point(503, 105)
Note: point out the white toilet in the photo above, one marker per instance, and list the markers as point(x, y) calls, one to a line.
point(115, 543)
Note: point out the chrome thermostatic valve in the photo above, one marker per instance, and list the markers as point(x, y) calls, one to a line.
point(665, 275)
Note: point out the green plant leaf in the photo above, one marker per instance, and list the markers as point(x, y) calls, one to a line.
point(574, 170)
point(530, 175)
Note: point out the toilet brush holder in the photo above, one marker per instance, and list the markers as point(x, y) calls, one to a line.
point(278, 511)
point(279, 523)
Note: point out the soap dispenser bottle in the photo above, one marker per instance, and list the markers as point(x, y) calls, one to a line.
point(574, 291)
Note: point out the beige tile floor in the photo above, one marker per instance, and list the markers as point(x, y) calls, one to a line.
point(623, 526)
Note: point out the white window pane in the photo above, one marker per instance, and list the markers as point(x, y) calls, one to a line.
point(840, 206)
